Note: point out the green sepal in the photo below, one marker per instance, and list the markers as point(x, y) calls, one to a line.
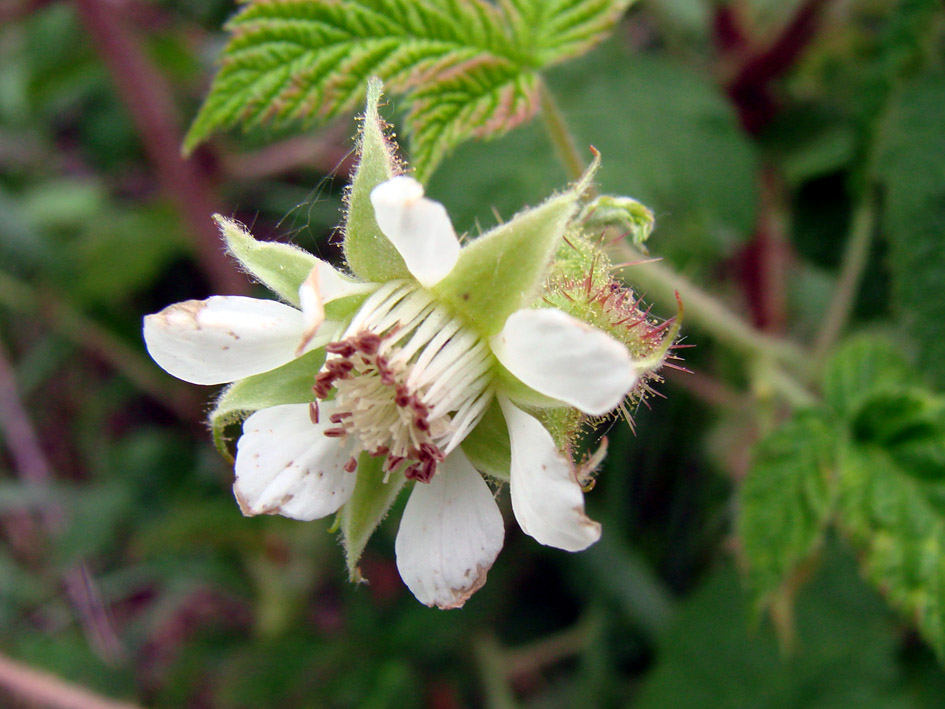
point(367, 507)
point(503, 270)
point(289, 384)
point(488, 447)
point(518, 391)
point(370, 255)
point(861, 367)
point(343, 309)
point(280, 267)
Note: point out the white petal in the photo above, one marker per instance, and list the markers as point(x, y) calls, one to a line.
point(547, 501)
point(223, 338)
point(561, 357)
point(450, 534)
point(419, 228)
point(286, 465)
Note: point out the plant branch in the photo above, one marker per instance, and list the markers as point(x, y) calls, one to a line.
point(490, 659)
point(147, 96)
point(855, 257)
point(749, 88)
point(704, 311)
point(38, 688)
point(558, 133)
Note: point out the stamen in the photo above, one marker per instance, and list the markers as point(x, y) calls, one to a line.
point(407, 380)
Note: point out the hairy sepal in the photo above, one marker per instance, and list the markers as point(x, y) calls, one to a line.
point(369, 504)
point(503, 270)
point(289, 384)
point(370, 255)
point(280, 267)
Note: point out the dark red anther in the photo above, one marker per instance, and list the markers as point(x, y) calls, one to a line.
point(343, 348)
point(340, 367)
point(313, 411)
point(351, 465)
point(421, 423)
point(419, 407)
point(402, 397)
point(339, 417)
point(380, 451)
point(428, 451)
point(335, 432)
point(392, 462)
point(368, 342)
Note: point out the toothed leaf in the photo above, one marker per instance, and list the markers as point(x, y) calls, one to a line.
point(465, 69)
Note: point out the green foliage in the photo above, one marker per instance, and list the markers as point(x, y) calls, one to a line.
point(874, 459)
point(488, 447)
point(786, 501)
point(712, 656)
point(667, 139)
point(914, 178)
point(465, 68)
point(861, 367)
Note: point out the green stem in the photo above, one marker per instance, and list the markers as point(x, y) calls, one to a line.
point(561, 138)
point(855, 257)
point(703, 310)
point(490, 659)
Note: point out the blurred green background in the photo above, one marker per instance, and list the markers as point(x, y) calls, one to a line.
point(125, 566)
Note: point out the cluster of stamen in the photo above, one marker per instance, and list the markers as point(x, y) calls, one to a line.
point(397, 384)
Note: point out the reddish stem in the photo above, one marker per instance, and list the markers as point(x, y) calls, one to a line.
point(147, 96)
point(750, 89)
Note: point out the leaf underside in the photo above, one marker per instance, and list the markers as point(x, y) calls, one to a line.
point(466, 68)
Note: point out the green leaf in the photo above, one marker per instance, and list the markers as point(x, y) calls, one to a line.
point(465, 68)
point(289, 384)
point(369, 253)
point(669, 138)
point(502, 271)
point(898, 519)
point(280, 267)
point(861, 367)
point(487, 446)
point(891, 418)
point(913, 171)
point(368, 505)
point(786, 500)
point(714, 655)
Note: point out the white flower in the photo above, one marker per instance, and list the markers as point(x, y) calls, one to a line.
point(405, 378)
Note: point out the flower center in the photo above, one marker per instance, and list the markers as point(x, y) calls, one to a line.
point(409, 380)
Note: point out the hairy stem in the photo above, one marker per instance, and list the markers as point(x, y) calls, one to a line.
point(558, 133)
point(703, 310)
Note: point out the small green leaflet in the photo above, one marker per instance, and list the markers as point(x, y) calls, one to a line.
point(466, 68)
